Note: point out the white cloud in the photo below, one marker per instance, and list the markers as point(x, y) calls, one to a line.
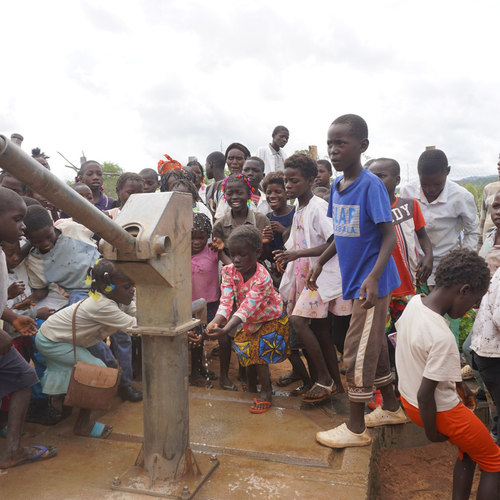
point(127, 81)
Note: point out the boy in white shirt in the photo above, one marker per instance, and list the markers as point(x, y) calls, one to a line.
point(273, 155)
point(448, 208)
point(428, 363)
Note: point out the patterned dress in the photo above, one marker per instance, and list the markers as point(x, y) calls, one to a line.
point(263, 335)
point(301, 301)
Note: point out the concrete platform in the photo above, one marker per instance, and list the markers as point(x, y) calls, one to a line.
point(270, 456)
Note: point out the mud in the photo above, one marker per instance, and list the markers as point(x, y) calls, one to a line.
point(424, 473)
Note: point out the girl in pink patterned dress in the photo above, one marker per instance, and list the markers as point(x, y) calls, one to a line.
point(311, 312)
point(260, 317)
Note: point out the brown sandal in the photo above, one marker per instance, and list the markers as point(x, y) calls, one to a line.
point(330, 390)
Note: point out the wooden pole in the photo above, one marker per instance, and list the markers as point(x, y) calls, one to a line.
point(313, 152)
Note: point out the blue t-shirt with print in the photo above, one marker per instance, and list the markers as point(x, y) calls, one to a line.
point(356, 211)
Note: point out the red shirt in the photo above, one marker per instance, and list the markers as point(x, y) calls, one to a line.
point(407, 218)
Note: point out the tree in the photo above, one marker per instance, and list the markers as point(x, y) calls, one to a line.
point(113, 170)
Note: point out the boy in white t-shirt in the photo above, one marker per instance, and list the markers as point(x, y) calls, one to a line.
point(428, 363)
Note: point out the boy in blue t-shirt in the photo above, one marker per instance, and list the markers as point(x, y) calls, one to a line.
point(364, 239)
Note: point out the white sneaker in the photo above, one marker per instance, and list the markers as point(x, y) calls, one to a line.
point(385, 417)
point(467, 373)
point(342, 437)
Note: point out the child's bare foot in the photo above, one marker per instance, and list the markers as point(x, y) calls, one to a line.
point(26, 455)
point(93, 429)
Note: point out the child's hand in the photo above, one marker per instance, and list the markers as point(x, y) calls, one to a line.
point(214, 332)
point(283, 257)
point(194, 339)
point(369, 287)
point(16, 289)
point(312, 276)
point(466, 395)
point(5, 343)
point(267, 235)
point(44, 313)
point(216, 245)
point(24, 325)
point(277, 227)
point(424, 270)
point(23, 305)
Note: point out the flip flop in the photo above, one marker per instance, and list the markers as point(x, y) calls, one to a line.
point(37, 457)
point(201, 383)
point(317, 399)
point(231, 387)
point(287, 379)
point(98, 431)
point(263, 410)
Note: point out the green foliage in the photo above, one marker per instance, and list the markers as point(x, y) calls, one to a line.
point(305, 151)
point(464, 328)
point(111, 168)
point(110, 180)
point(477, 192)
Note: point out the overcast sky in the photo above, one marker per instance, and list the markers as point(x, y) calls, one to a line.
point(127, 81)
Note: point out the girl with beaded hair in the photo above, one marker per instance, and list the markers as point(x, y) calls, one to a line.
point(205, 285)
point(111, 307)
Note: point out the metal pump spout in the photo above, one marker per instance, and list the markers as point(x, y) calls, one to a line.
point(150, 241)
point(18, 163)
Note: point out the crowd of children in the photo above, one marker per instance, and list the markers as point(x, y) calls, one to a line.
point(289, 262)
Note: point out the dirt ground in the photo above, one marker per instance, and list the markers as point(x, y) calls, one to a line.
point(424, 473)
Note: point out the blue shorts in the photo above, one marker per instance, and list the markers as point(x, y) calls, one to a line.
point(15, 373)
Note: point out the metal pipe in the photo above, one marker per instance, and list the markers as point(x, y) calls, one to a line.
point(18, 163)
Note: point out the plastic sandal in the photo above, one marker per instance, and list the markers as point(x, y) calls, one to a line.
point(287, 379)
point(317, 399)
point(98, 431)
point(261, 410)
point(377, 400)
point(37, 457)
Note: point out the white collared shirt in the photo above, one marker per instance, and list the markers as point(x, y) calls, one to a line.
point(273, 160)
point(453, 211)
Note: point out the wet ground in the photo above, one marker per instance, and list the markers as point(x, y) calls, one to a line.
point(269, 456)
